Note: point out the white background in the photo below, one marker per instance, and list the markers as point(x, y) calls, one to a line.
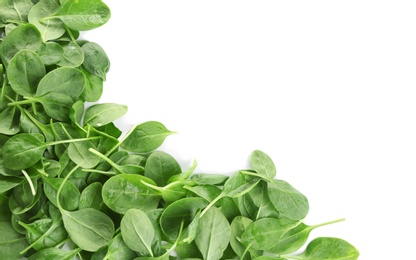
point(326, 88)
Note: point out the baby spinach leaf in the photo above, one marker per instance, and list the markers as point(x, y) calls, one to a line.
point(328, 248)
point(117, 249)
point(160, 167)
point(14, 10)
point(102, 114)
point(24, 37)
point(8, 182)
point(80, 154)
point(25, 71)
point(51, 53)
point(11, 242)
point(91, 196)
point(44, 233)
point(9, 121)
point(69, 198)
point(50, 29)
point(73, 55)
point(265, 233)
point(145, 137)
point(96, 60)
point(213, 234)
point(287, 200)
point(210, 179)
point(263, 164)
point(22, 151)
point(296, 238)
point(238, 226)
point(94, 87)
point(55, 253)
point(56, 105)
point(83, 15)
point(137, 231)
point(68, 81)
point(127, 191)
point(89, 228)
point(182, 210)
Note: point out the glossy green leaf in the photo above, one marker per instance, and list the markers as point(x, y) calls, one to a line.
point(102, 114)
point(213, 234)
point(137, 231)
point(160, 167)
point(83, 15)
point(146, 137)
point(50, 29)
point(88, 228)
point(263, 164)
point(73, 55)
point(117, 249)
point(9, 121)
point(68, 81)
point(96, 60)
point(11, 242)
point(328, 248)
point(51, 53)
point(91, 196)
point(69, 198)
point(24, 37)
point(25, 71)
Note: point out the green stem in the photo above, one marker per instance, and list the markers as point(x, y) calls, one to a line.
point(29, 180)
point(27, 100)
point(98, 171)
point(211, 204)
point(157, 188)
point(328, 223)
point(120, 142)
point(52, 228)
point(105, 158)
point(70, 34)
point(256, 175)
point(62, 185)
point(71, 140)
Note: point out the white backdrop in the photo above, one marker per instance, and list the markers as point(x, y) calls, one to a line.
point(326, 88)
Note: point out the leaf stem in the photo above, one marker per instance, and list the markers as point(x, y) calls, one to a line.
point(329, 222)
point(29, 180)
point(26, 101)
point(58, 193)
point(212, 203)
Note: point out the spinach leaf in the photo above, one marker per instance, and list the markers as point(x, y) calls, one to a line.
point(83, 15)
point(328, 248)
point(51, 53)
point(91, 196)
point(73, 55)
point(24, 37)
point(55, 253)
point(9, 121)
point(102, 114)
point(263, 164)
point(160, 167)
point(25, 71)
point(96, 60)
point(213, 234)
point(69, 199)
point(145, 137)
point(137, 231)
point(88, 228)
point(68, 81)
point(11, 242)
point(127, 191)
point(50, 29)
point(117, 249)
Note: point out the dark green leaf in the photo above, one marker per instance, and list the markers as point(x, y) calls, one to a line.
point(160, 167)
point(11, 242)
point(96, 61)
point(69, 197)
point(73, 55)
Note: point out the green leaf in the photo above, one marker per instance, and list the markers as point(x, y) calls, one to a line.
point(69, 197)
point(73, 55)
point(137, 231)
point(8, 183)
point(91, 196)
point(287, 200)
point(50, 29)
point(51, 53)
point(263, 164)
point(265, 233)
point(9, 121)
point(88, 228)
point(328, 248)
point(96, 60)
point(55, 253)
point(25, 71)
point(146, 137)
point(44, 233)
point(94, 87)
point(79, 154)
point(126, 191)
point(102, 114)
point(117, 249)
point(14, 10)
point(68, 81)
point(160, 167)
point(182, 210)
point(213, 234)
point(22, 151)
point(24, 37)
point(238, 226)
point(56, 105)
point(83, 15)
point(11, 242)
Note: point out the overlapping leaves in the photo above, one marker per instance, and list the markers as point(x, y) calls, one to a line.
point(67, 178)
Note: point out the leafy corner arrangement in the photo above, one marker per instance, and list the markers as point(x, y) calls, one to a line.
point(73, 187)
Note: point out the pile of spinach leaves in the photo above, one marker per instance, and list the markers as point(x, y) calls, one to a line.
point(72, 188)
